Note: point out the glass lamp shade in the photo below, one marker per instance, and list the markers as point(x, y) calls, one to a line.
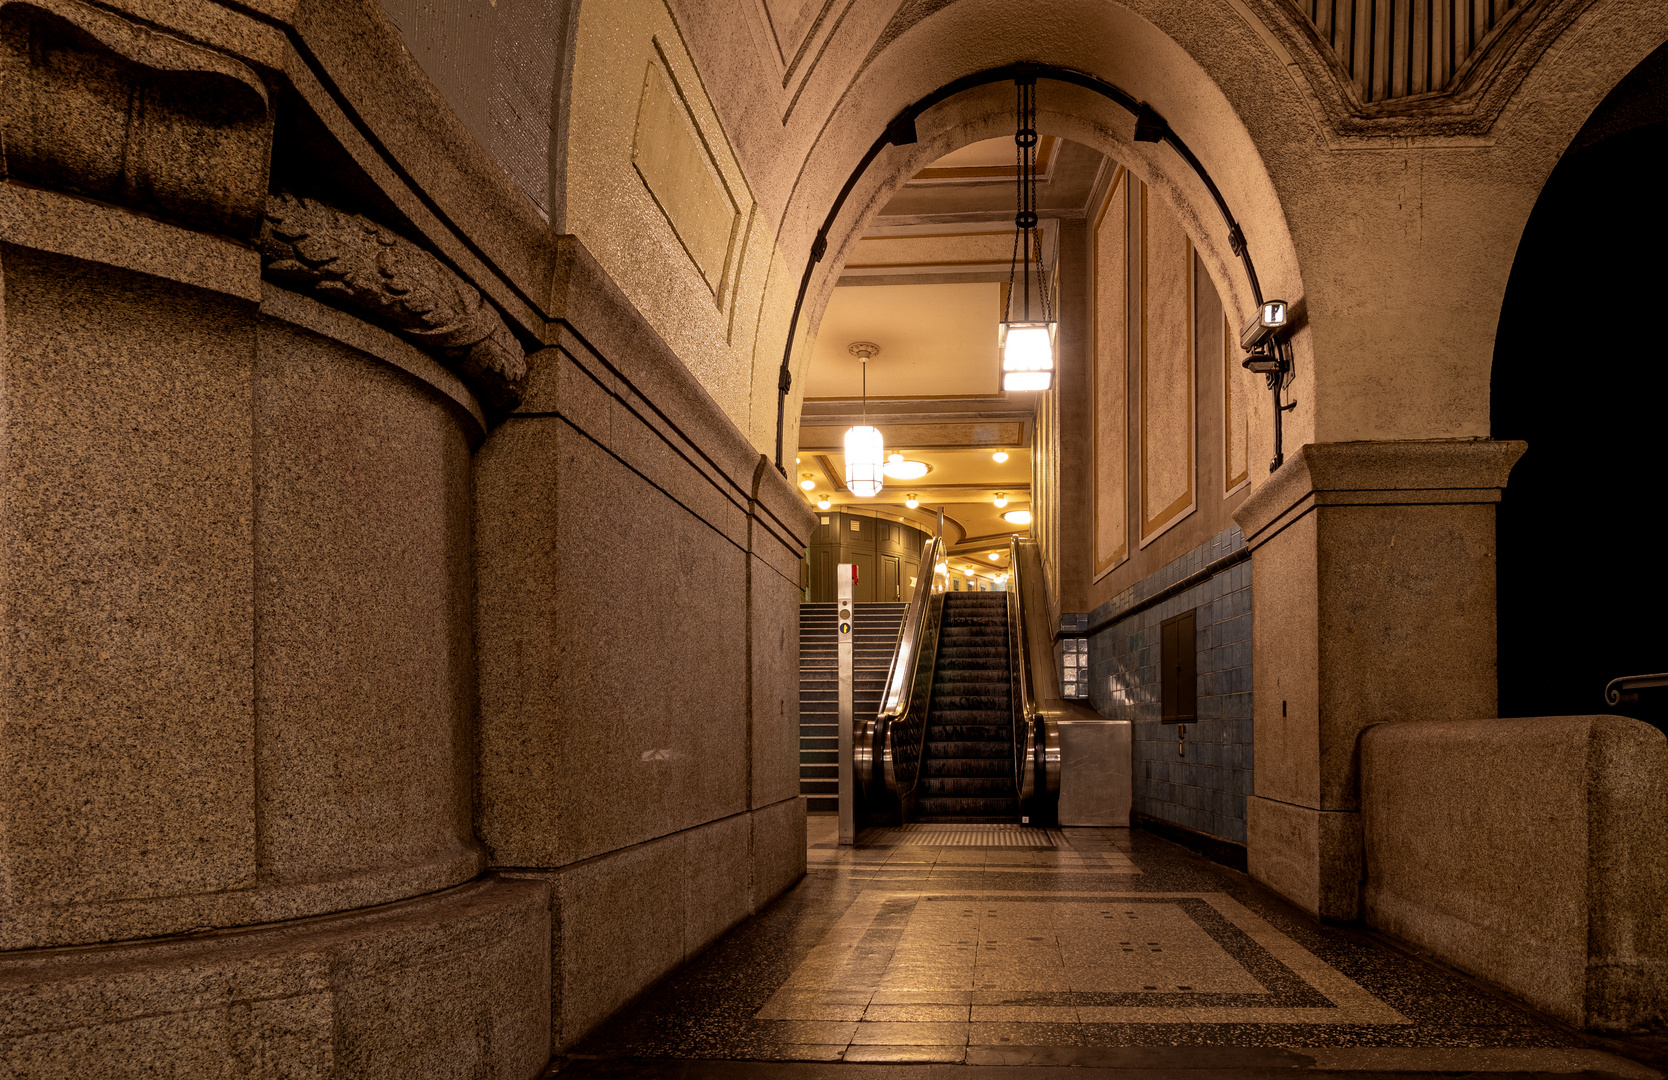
point(1027, 350)
point(865, 461)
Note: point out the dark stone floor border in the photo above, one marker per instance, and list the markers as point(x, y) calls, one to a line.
point(1214, 848)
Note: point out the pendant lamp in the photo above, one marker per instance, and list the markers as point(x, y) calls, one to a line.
point(1027, 343)
point(865, 449)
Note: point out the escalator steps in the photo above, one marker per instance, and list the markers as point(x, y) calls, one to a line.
point(967, 774)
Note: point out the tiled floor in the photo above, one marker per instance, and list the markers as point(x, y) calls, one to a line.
point(1094, 948)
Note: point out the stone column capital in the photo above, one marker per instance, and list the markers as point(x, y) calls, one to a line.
point(1402, 472)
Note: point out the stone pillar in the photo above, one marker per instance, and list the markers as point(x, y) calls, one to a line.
point(236, 686)
point(1374, 593)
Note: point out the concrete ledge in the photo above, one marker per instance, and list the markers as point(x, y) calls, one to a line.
point(1528, 852)
point(459, 977)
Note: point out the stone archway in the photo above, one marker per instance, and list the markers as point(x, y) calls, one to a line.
point(1574, 377)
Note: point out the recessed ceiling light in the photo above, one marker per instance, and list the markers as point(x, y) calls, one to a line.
point(1017, 517)
point(899, 469)
point(1000, 456)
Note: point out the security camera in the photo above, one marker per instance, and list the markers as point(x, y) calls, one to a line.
point(1269, 320)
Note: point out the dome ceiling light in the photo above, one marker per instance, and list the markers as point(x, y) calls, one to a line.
point(1027, 344)
point(865, 448)
point(1001, 500)
point(911, 501)
point(999, 457)
point(900, 469)
point(822, 502)
point(1017, 517)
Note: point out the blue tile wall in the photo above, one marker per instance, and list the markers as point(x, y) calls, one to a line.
point(1202, 787)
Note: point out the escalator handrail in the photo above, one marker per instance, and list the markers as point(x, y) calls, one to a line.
point(877, 755)
point(1025, 700)
point(1039, 757)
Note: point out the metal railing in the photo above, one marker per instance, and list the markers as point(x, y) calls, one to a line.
point(889, 746)
point(1625, 690)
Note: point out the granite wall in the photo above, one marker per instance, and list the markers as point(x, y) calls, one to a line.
point(398, 643)
point(1195, 775)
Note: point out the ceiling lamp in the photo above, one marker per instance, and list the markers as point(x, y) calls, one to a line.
point(807, 483)
point(993, 556)
point(1001, 500)
point(1027, 344)
point(1017, 517)
point(906, 470)
point(911, 501)
point(865, 448)
point(969, 571)
point(999, 457)
point(822, 502)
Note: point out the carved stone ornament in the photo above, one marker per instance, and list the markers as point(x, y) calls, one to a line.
point(355, 263)
point(93, 104)
point(1384, 70)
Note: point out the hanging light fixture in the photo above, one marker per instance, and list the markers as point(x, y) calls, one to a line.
point(1027, 344)
point(865, 448)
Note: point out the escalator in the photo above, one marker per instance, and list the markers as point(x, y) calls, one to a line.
point(967, 764)
point(960, 735)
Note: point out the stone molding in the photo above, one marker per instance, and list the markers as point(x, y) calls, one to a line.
point(100, 106)
point(1470, 105)
point(373, 341)
point(460, 976)
point(592, 307)
point(1377, 473)
point(78, 228)
point(354, 262)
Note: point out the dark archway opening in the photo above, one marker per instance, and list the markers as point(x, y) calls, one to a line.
point(1581, 373)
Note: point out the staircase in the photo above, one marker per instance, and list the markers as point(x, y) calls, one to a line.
point(967, 773)
point(875, 637)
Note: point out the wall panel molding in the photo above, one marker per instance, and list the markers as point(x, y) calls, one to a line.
point(1167, 385)
point(1109, 296)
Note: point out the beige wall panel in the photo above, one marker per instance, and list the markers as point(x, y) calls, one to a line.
point(1110, 293)
point(126, 628)
point(363, 647)
point(1166, 405)
point(674, 162)
point(656, 195)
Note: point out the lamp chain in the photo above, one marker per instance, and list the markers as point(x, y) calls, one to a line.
point(1027, 237)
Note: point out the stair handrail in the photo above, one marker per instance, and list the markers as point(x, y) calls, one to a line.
point(1036, 710)
point(889, 746)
